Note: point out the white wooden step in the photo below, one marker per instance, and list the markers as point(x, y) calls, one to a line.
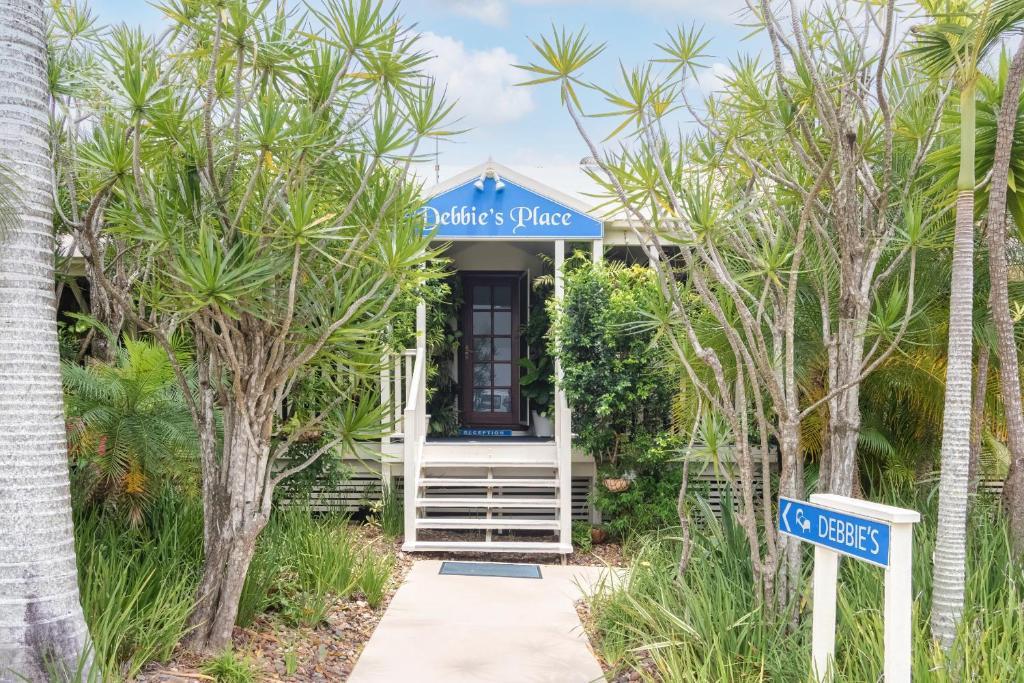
point(490, 483)
point(481, 523)
point(437, 461)
point(487, 547)
point(483, 451)
point(503, 502)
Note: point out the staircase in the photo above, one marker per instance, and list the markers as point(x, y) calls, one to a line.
point(474, 496)
point(490, 497)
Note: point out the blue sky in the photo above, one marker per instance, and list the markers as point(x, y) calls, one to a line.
point(477, 41)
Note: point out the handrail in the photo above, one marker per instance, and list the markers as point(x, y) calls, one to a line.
point(415, 436)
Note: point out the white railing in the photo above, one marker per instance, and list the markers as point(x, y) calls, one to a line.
point(414, 425)
point(396, 380)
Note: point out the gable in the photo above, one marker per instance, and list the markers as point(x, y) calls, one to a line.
point(508, 211)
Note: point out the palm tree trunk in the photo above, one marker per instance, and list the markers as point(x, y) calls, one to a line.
point(951, 543)
point(978, 418)
point(1006, 347)
point(42, 629)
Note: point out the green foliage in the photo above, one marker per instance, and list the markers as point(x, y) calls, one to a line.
point(388, 513)
point(303, 564)
point(375, 577)
point(324, 473)
point(581, 538)
point(138, 586)
point(616, 379)
point(708, 626)
point(538, 381)
point(649, 504)
point(228, 667)
point(129, 430)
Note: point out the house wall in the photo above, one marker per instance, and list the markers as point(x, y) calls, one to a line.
point(495, 255)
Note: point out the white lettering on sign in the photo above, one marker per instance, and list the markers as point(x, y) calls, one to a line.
point(849, 534)
point(518, 216)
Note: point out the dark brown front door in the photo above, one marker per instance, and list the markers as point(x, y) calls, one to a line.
point(490, 350)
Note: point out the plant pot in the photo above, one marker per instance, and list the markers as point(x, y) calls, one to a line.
point(616, 485)
point(543, 426)
point(598, 535)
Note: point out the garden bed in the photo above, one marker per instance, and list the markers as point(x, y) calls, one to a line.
point(271, 649)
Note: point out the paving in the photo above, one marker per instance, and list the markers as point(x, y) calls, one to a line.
point(483, 629)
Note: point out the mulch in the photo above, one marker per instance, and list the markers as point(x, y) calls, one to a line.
point(329, 651)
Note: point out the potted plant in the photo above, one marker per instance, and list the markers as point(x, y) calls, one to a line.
point(538, 386)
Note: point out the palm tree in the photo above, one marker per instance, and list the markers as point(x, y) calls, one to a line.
point(129, 429)
point(42, 629)
point(1009, 372)
point(953, 47)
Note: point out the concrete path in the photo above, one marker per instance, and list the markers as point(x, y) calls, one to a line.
point(478, 629)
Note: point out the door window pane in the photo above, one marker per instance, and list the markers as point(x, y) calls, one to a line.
point(502, 401)
point(502, 296)
point(502, 374)
point(481, 374)
point(503, 322)
point(482, 349)
point(482, 400)
point(481, 323)
point(503, 349)
point(481, 296)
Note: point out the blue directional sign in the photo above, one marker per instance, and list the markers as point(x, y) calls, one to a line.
point(865, 539)
point(500, 208)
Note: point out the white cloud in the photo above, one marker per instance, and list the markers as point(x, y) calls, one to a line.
point(483, 81)
point(490, 12)
point(712, 80)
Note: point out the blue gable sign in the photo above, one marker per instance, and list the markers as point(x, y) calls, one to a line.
point(506, 211)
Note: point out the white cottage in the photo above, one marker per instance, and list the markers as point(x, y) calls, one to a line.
point(499, 486)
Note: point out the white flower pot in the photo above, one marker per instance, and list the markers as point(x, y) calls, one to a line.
point(543, 426)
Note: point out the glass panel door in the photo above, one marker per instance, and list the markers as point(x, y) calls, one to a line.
point(490, 340)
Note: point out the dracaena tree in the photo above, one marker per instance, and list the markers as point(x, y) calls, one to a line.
point(251, 163)
point(761, 229)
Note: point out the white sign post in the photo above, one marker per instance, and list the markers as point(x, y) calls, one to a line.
point(878, 534)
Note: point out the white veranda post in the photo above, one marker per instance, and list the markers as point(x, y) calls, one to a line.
point(563, 421)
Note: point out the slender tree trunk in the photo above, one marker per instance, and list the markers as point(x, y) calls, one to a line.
point(978, 418)
point(1006, 347)
point(233, 520)
point(844, 410)
point(42, 629)
point(951, 543)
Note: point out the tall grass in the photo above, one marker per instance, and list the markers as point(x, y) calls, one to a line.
point(138, 585)
point(708, 627)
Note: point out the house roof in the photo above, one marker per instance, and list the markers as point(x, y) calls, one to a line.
point(490, 166)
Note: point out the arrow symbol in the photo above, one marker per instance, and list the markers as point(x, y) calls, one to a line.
point(785, 516)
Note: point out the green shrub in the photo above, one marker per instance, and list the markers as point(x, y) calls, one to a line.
point(230, 668)
point(581, 538)
point(138, 586)
point(650, 502)
point(709, 627)
point(616, 379)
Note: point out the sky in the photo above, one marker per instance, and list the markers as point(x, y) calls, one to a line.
point(477, 42)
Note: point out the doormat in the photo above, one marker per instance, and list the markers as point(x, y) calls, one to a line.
point(511, 571)
point(467, 431)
